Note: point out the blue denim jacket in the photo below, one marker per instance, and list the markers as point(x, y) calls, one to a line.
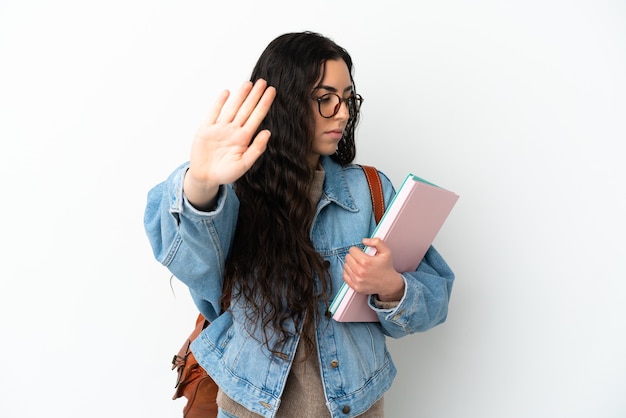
point(355, 365)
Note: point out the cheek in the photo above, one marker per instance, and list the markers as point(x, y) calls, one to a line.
point(317, 118)
point(317, 144)
point(319, 124)
point(317, 128)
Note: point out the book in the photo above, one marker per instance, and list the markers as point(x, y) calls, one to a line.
point(409, 226)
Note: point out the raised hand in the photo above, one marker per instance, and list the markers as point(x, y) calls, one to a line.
point(223, 148)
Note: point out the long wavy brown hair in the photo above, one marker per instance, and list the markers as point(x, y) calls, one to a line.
point(273, 264)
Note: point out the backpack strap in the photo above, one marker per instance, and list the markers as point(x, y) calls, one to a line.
point(376, 190)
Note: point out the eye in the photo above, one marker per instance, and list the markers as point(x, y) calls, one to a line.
point(324, 99)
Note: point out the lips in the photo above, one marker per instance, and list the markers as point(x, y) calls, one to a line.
point(335, 133)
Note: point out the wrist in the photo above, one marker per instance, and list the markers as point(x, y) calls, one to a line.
point(394, 290)
point(201, 195)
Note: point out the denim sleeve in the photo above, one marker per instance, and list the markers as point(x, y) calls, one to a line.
point(425, 300)
point(192, 244)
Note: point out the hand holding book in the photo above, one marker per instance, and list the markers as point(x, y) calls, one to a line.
point(408, 227)
point(373, 275)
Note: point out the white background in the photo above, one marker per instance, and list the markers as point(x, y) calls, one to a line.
point(519, 107)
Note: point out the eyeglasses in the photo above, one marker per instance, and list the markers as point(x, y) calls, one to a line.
point(330, 103)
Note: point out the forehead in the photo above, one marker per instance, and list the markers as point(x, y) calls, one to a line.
point(335, 76)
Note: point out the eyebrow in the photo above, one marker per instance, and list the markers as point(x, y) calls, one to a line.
point(332, 89)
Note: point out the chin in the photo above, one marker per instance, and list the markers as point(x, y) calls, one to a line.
point(326, 151)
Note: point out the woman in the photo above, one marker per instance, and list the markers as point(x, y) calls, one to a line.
point(271, 213)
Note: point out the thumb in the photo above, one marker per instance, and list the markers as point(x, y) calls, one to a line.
point(377, 243)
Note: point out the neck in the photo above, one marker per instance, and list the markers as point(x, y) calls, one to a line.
point(314, 161)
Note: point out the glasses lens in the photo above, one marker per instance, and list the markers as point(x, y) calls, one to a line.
point(329, 104)
point(354, 104)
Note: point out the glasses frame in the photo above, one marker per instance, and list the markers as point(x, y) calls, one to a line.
point(351, 103)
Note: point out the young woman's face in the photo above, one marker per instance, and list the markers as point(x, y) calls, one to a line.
point(329, 130)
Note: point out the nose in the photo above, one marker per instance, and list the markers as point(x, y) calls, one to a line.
point(343, 112)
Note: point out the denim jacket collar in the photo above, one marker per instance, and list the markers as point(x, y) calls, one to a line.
point(336, 188)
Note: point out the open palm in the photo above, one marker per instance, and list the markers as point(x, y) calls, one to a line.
point(224, 148)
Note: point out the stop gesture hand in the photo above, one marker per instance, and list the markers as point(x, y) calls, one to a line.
point(224, 148)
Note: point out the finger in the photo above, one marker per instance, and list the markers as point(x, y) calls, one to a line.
point(376, 243)
point(356, 260)
point(371, 242)
point(347, 276)
point(217, 107)
point(255, 149)
point(260, 109)
point(358, 255)
point(234, 104)
point(251, 102)
point(352, 279)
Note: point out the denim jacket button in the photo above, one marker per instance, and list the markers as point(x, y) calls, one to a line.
point(345, 409)
point(334, 364)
